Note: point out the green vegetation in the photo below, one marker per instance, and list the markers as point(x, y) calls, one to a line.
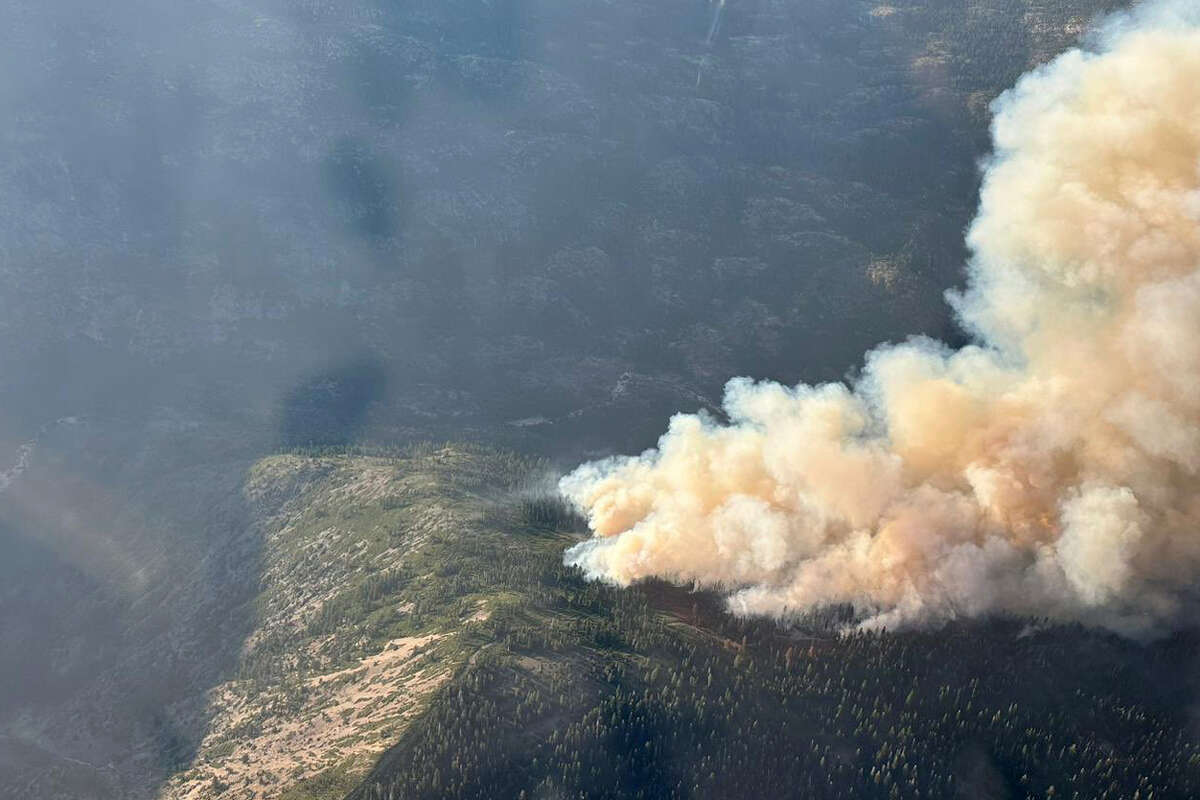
point(567, 688)
point(377, 569)
point(537, 681)
point(512, 674)
point(384, 534)
point(332, 784)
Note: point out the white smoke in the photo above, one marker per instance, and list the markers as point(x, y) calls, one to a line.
point(1052, 467)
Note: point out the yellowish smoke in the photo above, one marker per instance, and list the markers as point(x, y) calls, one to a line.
point(1052, 468)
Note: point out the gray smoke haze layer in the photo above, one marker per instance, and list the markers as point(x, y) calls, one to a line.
point(1049, 468)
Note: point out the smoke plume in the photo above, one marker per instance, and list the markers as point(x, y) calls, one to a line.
point(1050, 468)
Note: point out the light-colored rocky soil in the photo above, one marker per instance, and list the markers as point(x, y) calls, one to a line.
point(258, 744)
point(334, 669)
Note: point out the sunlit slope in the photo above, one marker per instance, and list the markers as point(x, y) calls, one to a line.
point(417, 635)
point(376, 579)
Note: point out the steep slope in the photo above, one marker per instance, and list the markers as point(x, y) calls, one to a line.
point(415, 634)
point(653, 692)
point(415, 614)
point(363, 610)
point(127, 562)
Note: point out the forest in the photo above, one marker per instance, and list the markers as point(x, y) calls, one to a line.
point(576, 689)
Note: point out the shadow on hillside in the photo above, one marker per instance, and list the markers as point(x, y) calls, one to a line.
point(127, 563)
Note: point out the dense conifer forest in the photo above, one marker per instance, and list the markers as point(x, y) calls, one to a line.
point(575, 689)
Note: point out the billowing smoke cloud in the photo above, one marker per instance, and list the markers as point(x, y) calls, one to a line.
point(1050, 468)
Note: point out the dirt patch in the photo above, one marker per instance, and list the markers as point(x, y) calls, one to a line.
point(260, 744)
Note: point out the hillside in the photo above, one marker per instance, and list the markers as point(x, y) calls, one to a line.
point(237, 231)
point(544, 221)
point(418, 636)
point(364, 609)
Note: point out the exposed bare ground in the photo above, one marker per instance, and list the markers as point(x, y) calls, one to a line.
point(325, 523)
point(286, 734)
